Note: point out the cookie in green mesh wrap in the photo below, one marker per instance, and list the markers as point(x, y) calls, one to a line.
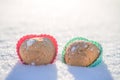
point(80, 51)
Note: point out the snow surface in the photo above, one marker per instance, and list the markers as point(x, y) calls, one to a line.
point(98, 20)
point(58, 72)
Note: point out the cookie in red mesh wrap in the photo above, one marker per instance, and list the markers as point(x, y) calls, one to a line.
point(37, 49)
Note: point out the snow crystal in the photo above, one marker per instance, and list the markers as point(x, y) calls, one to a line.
point(30, 42)
point(73, 48)
point(33, 63)
point(85, 46)
point(91, 49)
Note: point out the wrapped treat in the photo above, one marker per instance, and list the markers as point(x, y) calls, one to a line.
point(37, 49)
point(82, 52)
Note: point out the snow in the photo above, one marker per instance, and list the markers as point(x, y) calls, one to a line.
point(32, 63)
point(85, 46)
point(73, 48)
point(30, 42)
point(97, 20)
point(92, 49)
point(46, 72)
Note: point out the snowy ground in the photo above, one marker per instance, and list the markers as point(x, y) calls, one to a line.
point(64, 19)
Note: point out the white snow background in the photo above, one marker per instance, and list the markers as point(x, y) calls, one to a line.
point(98, 20)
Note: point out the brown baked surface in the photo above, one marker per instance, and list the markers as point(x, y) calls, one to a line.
point(81, 53)
point(40, 51)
